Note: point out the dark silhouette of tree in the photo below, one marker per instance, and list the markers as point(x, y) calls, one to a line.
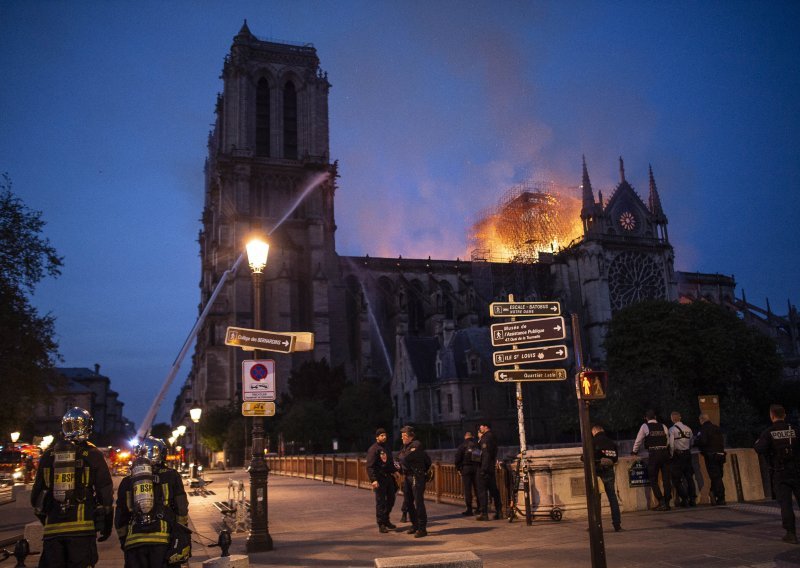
point(28, 350)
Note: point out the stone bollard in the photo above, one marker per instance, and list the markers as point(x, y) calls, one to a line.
point(233, 561)
point(442, 560)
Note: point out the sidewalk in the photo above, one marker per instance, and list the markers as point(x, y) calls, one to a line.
point(318, 524)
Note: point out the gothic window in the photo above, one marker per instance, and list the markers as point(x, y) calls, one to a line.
point(635, 277)
point(438, 368)
point(437, 395)
point(262, 118)
point(289, 121)
point(449, 402)
point(474, 365)
point(476, 399)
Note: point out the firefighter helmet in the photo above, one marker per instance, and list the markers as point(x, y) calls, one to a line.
point(77, 424)
point(153, 449)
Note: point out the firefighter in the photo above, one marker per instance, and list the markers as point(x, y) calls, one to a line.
point(151, 503)
point(73, 495)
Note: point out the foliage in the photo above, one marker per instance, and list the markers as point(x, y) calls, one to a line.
point(28, 350)
point(662, 355)
point(362, 408)
point(213, 428)
point(309, 424)
point(162, 431)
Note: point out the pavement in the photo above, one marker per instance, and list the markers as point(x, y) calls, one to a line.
point(318, 524)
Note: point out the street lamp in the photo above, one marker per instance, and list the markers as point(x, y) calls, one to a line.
point(195, 413)
point(14, 437)
point(259, 539)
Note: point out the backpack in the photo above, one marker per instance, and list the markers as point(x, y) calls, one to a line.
point(180, 544)
point(475, 454)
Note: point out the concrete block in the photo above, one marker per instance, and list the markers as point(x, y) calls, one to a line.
point(232, 561)
point(442, 560)
point(33, 534)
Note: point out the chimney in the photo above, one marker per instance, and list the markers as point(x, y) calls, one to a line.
point(97, 368)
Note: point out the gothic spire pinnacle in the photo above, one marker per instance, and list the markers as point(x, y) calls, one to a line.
point(588, 195)
point(245, 30)
point(621, 170)
point(654, 201)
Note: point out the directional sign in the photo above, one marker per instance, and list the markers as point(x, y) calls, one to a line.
point(528, 331)
point(534, 355)
point(534, 375)
point(258, 379)
point(258, 409)
point(513, 309)
point(283, 342)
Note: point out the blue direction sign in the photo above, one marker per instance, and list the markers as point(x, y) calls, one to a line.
point(534, 355)
point(528, 331)
point(515, 309)
point(529, 375)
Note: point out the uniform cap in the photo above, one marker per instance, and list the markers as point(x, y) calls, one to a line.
point(380, 431)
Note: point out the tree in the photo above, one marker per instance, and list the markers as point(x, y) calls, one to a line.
point(662, 355)
point(162, 431)
point(28, 350)
point(213, 428)
point(362, 408)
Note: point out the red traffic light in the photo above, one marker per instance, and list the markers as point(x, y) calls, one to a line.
point(592, 385)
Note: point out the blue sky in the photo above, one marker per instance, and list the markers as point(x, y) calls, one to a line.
point(436, 109)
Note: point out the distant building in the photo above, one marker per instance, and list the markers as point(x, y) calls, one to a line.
point(417, 326)
point(90, 390)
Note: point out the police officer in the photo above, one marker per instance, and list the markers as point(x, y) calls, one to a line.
point(606, 455)
point(487, 480)
point(778, 444)
point(380, 469)
point(681, 466)
point(711, 444)
point(656, 439)
point(73, 495)
point(468, 467)
point(414, 464)
point(149, 502)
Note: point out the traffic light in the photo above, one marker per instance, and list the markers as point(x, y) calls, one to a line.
point(592, 385)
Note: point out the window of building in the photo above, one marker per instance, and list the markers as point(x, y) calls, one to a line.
point(474, 364)
point(407, 398)
point(438, 368)
point(437, 396)
point(262, 118)
point(289, 122)
point(476, 399)
point(449, 402)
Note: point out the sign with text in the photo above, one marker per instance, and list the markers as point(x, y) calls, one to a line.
point(258, 409)
point(258, 380)
point(528, 331)
point(281, 342)
point(529, 375)
point(515, 309)
point(533, 355)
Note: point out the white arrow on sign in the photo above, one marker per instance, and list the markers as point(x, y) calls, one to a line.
point(533, 355)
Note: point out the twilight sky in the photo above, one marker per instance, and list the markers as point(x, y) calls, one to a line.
point(436, 109)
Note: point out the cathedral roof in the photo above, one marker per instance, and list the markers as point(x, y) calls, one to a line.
point(466, 341)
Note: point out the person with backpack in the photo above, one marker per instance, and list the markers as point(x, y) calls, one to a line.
point(414, 464)
point(655, 437)
point(468, 458)
point(73, 495)
point(152, 511)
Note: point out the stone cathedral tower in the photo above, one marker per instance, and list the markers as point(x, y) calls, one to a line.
point(268, 171)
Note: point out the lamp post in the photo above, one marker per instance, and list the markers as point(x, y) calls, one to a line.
point(259, 539)
point(195, 413)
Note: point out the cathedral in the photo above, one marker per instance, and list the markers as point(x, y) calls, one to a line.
point(417, 326)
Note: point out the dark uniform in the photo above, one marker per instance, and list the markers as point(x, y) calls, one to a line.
point(487, 480)
point(414, 464)
point(468, 468)
point(656, 440)
point(70, 524)
point(380, 468)
point(146, 541)
point(778, 444)
point(681, 466)
point(711, 444)
point(605, 456)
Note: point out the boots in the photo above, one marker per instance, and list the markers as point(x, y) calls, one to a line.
point(663, 506)
point(404, 518)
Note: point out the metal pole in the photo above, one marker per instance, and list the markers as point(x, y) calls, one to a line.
point(598, 548)
point(259, 539)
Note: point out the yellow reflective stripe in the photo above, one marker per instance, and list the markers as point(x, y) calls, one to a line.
point(146, 538)
point(165, 493)
point(74, 526)
point(46, 476)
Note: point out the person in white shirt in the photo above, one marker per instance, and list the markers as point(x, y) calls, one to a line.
point(681, 467)
point(656, 439)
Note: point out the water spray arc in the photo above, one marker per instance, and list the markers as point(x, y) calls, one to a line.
point(314, 182)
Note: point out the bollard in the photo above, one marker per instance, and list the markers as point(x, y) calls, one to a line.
point(224, 542)
point(21, 551)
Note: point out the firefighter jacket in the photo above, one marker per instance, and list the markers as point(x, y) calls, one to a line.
point(91, 495)
point(170, 506)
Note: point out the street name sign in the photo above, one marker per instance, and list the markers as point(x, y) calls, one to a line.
point(258, 409)
point(280, 342)
point(514, 309)
point(528, 331)
point(529, 375)
point(258, 380)
point(534, 355)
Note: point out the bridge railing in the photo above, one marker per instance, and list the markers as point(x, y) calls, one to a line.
point(446, 486)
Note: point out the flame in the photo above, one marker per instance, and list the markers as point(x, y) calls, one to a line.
point(530, 219)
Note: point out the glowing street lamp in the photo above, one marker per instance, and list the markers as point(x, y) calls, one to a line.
point(14, 437)
point(195, 413)
point(181, 430)
point(259, 539)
